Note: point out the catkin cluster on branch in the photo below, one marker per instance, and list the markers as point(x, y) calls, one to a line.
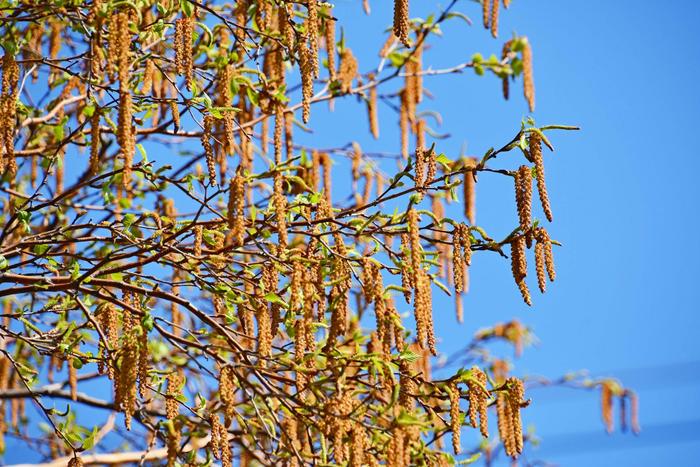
point(510, 427)
point(184, 29)
point(478, 400)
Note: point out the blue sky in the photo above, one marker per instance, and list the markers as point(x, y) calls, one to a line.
point(625, 300)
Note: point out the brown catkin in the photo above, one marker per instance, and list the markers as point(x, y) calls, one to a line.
point(75, 462)
point(148, 72)
point(215, 441)
point(73, 381)
point(523, 198)
point(372, 108)
point(505, 79)
point(388, 45)
point(606, 400)
point(455, 422)
point(519, 266)
point(402, 24)
point(330, 44)
point(236, 200)
point(312, 28)
point(95, 142)
point(175, 112)
point(407, 282)
point(539, 266)
point(486, 11)
point(470, 190)
point(175, 382)
point(125, 136)
point(495, 7)
point(307, 78)
point(348, 70)
point(528, 80)
point(535, 143)
point(208, 148)
point(8, 110)
point(516, 397)
point(404, 120)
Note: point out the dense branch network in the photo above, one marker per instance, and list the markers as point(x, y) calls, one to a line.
point(238, 305)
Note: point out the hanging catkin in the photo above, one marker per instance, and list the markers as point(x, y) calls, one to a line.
point(307, 78)
point(330, 43)
point(455, 420)
point(523, 199)
point(505, 52)
point(8, 110)
point(542, 236)
point(402, 24)
point(528, 80)
point(495, 7)
point(236, 219)
point(535, 144)
point(348, 70)
point(486, 11)
point(372, 108)
point(519, 266)
point(208, 148)
point(312, 28)
point(470, 189)
point(95, 142)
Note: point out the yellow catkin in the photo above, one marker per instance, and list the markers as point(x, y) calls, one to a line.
point(535, 144)
point(208, 148)
point(372, 108)
point(215, 441)
point(422, 303)
point(606, 401)
point(348, 70)
point(540, 267)
point(73, 381)
point(523, 199)
point(420, 133)
point(175, 112)
point(175, 382)
point(184, 29)
point(125, 136)
point(402, 24)
point(455, 421)
point(227, 392)
point(528, 80)
point(419, 168)
point(8, 110)
point(312, 28)
point(329, 34)
point(470, 190)
point(148, 72)
point(519, 266)
point(307, 78)
point(486, 11)
point(495, 7)
point(236, 200)
point(404, 120)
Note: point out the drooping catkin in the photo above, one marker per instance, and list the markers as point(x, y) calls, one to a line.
point(606, 401)
point(455, 422)
point(208, 148)
point(348, 70)
point(407, 282)
point(175, 382)
point(125, 136)
point(312, 28)
point(148, 72)
point(542, 236)
point(539, 266)
point(307, 78)
point(184, 29)
point(523, 199)
point(423, 311)
point(478, 400)
point(372, 108)
point(175, 112)
point(8, 110)
point(486, 11)
point(505, 80)
point(215, 442)
point(95, 142)
point(404, 121)
point(519, 266)
point(528, 80)
point(73, 381)
point(402, 24)
point(495, 7)
point(470, 190)
point(329, 34)
point(236, 200)
point(535, 144)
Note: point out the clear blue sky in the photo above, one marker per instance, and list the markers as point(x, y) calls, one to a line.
point(625, 302)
